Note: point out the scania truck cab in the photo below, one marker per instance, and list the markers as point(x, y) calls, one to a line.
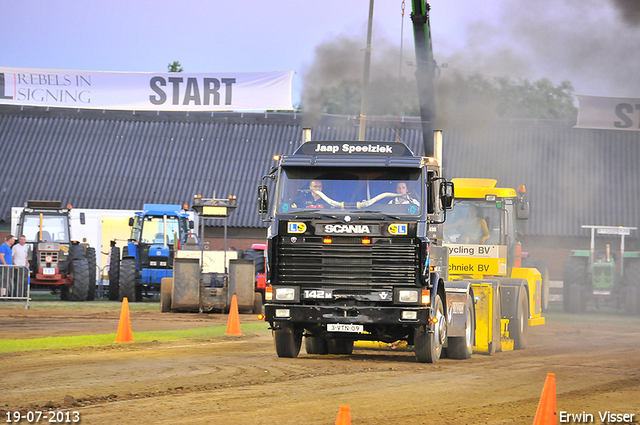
point(355, 252)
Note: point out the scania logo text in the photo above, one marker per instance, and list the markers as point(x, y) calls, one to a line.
point(346, 228)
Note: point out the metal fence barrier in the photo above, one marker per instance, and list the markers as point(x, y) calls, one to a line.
point(15, 283)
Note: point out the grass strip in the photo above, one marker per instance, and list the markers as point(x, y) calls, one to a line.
point(62, 342)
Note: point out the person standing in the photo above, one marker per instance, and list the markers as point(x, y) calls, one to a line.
point(6, 273)
point(20, 253)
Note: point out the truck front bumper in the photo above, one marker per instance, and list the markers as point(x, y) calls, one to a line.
point(355, 315)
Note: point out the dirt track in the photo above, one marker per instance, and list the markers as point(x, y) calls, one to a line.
point(239, 380)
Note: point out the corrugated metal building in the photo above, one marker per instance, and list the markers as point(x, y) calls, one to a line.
point(121, 160)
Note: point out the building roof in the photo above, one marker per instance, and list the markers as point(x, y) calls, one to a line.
point(122, 160)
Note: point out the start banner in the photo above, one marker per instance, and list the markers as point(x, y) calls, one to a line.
point(608, 113)
point(176, 91)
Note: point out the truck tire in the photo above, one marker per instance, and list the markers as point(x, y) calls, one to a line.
point(428, 345)
point(575, 273)
point(128, 279)
point(288, 340)
point(518, 331)
point(462, 347)
point(316, 345)
point(166, 285)
point(90, 255)
point(76, 251)
point(340, 346)
point(576, 298)
point(114, 273)
point(79, 270)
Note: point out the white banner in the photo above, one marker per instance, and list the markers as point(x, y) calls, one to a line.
point(608, 113)
point(146, 91)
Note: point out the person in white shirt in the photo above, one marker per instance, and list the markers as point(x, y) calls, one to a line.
point(20, 254)
point(402, 189)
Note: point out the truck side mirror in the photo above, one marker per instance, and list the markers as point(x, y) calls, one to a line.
point(82, 218)
point(131, 222)
point(522, 210)
point(446, 195)
point(191, 224)
point(263, 199)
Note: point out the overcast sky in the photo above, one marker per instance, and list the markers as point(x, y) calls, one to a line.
point(588, 42)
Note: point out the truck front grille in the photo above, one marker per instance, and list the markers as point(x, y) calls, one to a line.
point(346, 261)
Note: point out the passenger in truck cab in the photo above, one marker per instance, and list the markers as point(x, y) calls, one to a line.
point(310, 198)
point(404, 198)
point(473, 229)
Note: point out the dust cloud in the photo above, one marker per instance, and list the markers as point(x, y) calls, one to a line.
point(590, 43)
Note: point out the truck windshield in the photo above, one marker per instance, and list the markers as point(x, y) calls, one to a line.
point(397, 191)
point(153, 229)
point(465, 223)
point(54, 228)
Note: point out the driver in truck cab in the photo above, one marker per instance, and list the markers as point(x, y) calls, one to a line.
point(404, 198)
point(473, 229)
point(310, 198)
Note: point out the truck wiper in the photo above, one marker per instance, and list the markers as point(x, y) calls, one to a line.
point(315, 212)
point(365, 215)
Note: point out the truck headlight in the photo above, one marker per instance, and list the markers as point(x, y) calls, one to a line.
point(285, 294)
point(408, 296)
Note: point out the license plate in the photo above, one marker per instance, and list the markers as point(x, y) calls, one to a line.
point(49, 270)
point(337, 327)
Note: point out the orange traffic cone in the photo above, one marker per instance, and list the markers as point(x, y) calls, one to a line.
point(344, 416)
point(547, 413)
point(125, 334)
point(233, 324)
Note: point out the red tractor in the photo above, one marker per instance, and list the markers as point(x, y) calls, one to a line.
point(57, 261)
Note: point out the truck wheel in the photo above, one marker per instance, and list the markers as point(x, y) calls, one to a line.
point(90, 255)
point(114, 273)
point(575, 273)
point(462, 347)
point(428, 345)
point(315, 345)
point(288, 340)
point(339, 346)
point(166, 285)
point(257, 303)
point(576, 298)
point(76, 251)
point(128, 279)
point(79, 270)
point(519, 332)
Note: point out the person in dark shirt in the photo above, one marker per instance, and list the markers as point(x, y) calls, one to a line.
point(310, 198)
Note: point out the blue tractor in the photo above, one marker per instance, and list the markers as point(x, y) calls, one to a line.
point(156, 232)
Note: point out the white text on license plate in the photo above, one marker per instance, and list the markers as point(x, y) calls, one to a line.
point(49, 270)
point(337, 327)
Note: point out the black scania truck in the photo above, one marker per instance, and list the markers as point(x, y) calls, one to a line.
point(355, 252)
